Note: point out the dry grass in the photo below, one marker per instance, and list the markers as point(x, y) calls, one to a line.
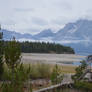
point(68, 69)
point(49, 67)
point(41, 70)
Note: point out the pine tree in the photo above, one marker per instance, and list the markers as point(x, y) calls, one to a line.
point(1, 54)
point(19, 74)
point(12, 54)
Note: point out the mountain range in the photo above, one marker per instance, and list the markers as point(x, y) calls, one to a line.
point(78, 35)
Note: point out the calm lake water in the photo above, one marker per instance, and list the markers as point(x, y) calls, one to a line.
point(78, 63)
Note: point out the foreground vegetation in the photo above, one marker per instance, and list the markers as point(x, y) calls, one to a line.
point(84, 86)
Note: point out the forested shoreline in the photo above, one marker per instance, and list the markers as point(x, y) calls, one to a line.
point(42, 47)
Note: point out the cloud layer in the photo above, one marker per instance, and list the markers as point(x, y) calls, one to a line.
point(32, 16)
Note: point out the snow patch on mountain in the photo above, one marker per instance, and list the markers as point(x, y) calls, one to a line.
point(73, 30)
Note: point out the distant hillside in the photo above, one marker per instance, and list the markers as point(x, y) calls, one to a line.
point(7, 35)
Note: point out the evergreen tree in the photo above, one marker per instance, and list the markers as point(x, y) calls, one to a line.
point(1, 54)
point(18, 73)
point(12, 54)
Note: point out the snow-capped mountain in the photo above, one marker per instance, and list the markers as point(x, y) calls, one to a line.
point(81, 30)
point(78, 35)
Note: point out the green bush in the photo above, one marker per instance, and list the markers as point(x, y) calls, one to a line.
point(85, 86)
point(16, 84)
point(79, 70)
point(11, 88)
point(56, 76)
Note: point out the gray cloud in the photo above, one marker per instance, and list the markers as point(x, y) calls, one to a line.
point(42, 14)
point(39, 21)
point(24, 9)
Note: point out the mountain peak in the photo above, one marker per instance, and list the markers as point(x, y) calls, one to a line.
point(44, 33)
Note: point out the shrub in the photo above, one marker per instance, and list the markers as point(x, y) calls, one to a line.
point(40, 70)
point(79, 70)
point(56, 76)
point(21, 76)
point(85, 86)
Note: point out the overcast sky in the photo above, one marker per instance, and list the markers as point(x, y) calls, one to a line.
point(33, 16)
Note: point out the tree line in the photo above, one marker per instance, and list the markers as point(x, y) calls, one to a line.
point(43, 47)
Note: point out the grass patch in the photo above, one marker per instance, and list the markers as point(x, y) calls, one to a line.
point(40, 70)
